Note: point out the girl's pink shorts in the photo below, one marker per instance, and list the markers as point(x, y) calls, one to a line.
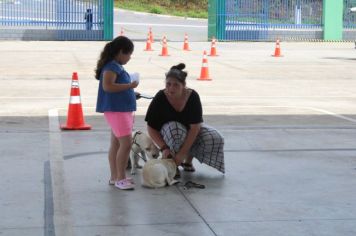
point(121, 123)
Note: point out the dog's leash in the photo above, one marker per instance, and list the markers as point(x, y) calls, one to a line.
point(139, 95)
point(191, 184)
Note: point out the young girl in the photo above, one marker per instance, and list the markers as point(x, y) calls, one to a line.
point(116, 99)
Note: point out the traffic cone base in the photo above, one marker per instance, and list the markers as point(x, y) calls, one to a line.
point(82, 127)
point(75, 118)
point(204, 79)
point(164, 53)
point(213, 52)
point(213, 55)
point(277, 55)
point(148, 49)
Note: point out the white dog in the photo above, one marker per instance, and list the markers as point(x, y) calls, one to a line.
point(142, 146)
point(159, 173)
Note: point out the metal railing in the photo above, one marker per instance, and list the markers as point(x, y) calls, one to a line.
point(268, 19)
point(349, 17)
point(80, 19)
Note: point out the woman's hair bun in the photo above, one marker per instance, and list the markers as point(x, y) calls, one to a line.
point(180, 66)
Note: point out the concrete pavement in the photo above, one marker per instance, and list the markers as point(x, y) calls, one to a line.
point(289, 125)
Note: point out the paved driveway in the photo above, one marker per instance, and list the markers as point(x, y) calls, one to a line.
point(289, 125)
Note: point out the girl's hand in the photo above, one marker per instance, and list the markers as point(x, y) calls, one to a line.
point(134, 84)
point(138, 95)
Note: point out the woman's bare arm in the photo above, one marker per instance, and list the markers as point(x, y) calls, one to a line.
point(188, 142)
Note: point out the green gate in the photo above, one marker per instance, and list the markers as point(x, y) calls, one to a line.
point(295, 20)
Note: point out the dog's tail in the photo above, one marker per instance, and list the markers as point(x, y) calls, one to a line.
point(172, 182)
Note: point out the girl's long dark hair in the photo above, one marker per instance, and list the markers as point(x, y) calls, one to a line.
point(111, 49)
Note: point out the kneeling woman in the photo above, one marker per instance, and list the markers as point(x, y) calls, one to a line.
point(175, 123)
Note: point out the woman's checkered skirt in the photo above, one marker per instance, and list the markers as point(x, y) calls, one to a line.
point(208, 147)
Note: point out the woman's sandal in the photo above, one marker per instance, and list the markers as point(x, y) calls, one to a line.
point(188, 167)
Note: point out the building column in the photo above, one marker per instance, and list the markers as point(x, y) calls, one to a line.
point(108, 19)
point(332, 19)
point(212, 14)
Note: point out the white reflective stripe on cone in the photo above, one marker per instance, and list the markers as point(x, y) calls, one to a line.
point(75, 84)
point(74, 100)
point(205, 64)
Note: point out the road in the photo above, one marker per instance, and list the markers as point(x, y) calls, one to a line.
point(289, 125)
point(136, 26)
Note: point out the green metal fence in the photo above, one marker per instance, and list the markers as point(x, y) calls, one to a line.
point(349, 18)
point(267, 20)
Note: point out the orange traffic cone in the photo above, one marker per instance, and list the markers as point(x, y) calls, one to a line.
point(164, 48)
point(213, 48)
point(186, 44)
point(204, 73)
point(75, 119)
point(148, 44)
point(151, 35)
point(277, 50)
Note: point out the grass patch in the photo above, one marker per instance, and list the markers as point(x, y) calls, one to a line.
point(185, 8)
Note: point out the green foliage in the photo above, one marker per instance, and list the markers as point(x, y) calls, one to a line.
point(186, 8)
point(156, 10)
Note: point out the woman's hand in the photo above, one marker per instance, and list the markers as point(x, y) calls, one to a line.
point(165, 153)
point(180, 157)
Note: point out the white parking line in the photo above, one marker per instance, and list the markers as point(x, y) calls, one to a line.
point(295, 107)
point(332, 114)
point(61, 204)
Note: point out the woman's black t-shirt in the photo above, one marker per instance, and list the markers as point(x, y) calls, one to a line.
point(161, 111)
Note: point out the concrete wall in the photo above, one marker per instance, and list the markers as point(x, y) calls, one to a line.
point(50, 35)
point(349, 34)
